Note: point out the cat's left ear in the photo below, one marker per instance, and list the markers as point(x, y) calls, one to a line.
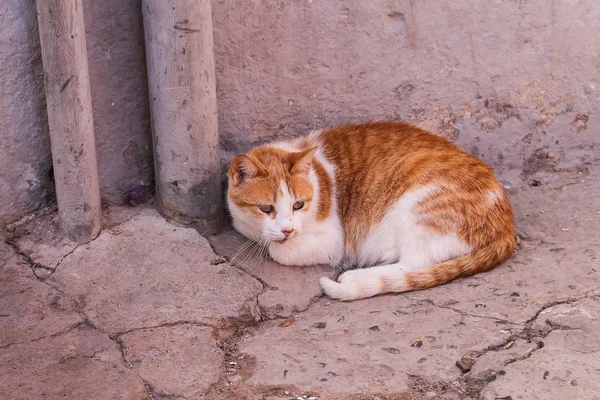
point(242, 168)
point(302, 161)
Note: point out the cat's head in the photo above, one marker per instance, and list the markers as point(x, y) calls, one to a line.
point(270, 194)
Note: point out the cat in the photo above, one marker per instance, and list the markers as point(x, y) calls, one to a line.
point(408, 204)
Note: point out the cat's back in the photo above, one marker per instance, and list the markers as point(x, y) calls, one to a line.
point(380, 137)
point(396, 154)
point(377, 163)
point(377, 143)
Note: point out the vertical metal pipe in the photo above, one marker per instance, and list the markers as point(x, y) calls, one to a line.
point(183, 105)
point(64, 56)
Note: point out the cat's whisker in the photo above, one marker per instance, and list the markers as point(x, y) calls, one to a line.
point(250, 244)
point(250, 255)
point(265, 249)
point(250, 261)
point(260, 255)
point(256, 254)
point(242, 248)
point(252, 240)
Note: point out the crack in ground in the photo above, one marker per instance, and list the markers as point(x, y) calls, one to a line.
point(265, 288)
point(151, 391)
point(55, 334)
point(236, 368)
point(539, 345)
point(116, 339)
point(238, 267)
point(475, 385)
point(165, 325)
point(527, 333)
point(65, 256)
point(265, 285)
point(225, 344)
point(222, 330)
point(249, 253)
point(235, 325)
point(7, 260)
point(467, 314)
point(78, 309)
point(32, 264)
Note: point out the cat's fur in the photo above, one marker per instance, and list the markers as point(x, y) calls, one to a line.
point(407, 203)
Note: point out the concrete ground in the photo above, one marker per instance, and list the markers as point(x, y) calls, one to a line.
point(153, 310)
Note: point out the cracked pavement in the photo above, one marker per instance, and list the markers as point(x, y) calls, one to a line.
point(154, 310)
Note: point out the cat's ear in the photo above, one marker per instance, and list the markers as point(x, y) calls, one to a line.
point(242, 168)
point(302, 161)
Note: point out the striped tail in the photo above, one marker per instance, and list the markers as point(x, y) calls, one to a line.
point(368, 282)
point(479, 260)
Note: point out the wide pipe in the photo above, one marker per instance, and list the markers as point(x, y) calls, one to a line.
point(183, 105)
point(69, 103)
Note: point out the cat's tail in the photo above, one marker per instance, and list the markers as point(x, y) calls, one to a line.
point(369, 282)
point(479, 260)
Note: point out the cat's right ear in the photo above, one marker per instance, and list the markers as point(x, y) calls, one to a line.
point(242, 168)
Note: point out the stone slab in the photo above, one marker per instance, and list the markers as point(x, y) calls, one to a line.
point(566, 366)
point(30, 309)
point(181, 361)
point(369, 347)
point(80, 364)
point(148, 272)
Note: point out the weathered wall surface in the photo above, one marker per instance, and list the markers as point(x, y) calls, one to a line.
point(115, 41)
point(115, 44)
point(25, 160)
point(515, 82)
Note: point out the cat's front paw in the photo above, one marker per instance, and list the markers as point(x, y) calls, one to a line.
point(299, 253)
point(347, 288)
point(282, 254)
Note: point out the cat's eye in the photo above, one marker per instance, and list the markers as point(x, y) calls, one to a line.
point(298, 205)
point(267, 209)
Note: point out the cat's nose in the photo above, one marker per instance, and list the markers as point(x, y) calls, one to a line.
point(287, 232)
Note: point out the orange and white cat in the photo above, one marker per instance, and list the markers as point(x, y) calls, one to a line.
point(407, 203)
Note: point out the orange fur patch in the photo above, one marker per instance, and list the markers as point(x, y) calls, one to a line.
point(386, 284)
point(325, 191)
